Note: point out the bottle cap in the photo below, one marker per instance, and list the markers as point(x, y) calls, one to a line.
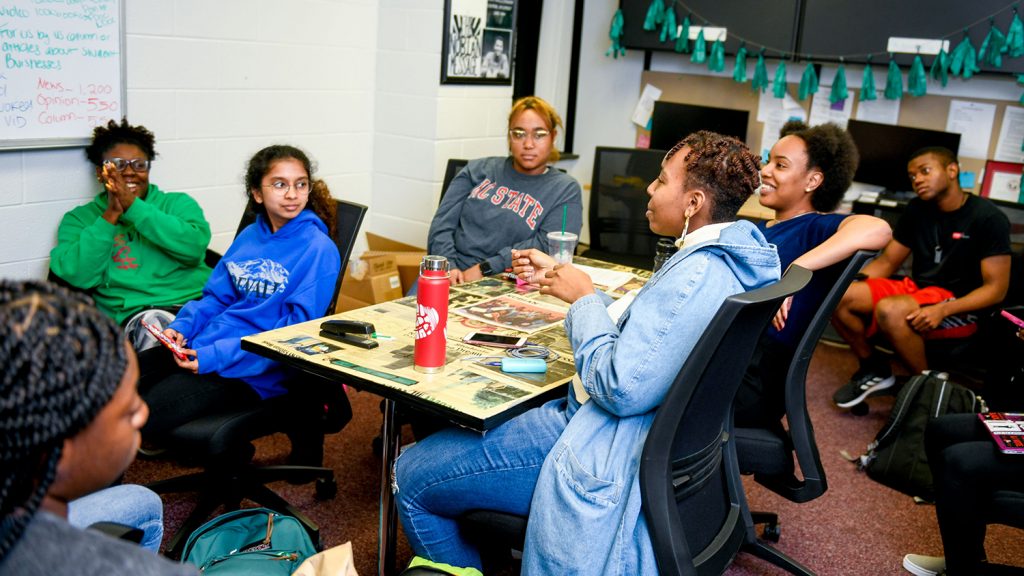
point(434, 264)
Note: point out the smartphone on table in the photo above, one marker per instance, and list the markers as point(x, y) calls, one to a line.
point(170, 344)
point(495, 340)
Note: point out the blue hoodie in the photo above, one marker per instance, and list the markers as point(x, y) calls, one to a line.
point(266, 280)
point(585, 516)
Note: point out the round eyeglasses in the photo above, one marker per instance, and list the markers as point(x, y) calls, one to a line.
point(280, 187)
point(137, 164)
point(519, 134)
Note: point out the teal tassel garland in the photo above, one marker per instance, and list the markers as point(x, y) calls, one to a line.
point(655, 15)
point(615, 33)
point(867, 84)
point(991, 51)
point(839, 91)
point(700, 49)
point(963, 60)
point(940, 68)
point(808, 82)
point(917, 80)
point(668, 30)
point(760, 80)
point(779, 87)
point(1020, 80)
point(683, 40)
point(893, 82)
point(739, 69)
point(716, 62)
point(1014, 47)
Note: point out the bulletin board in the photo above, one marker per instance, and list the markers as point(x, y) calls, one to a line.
point(928, 111)
point(62, 71)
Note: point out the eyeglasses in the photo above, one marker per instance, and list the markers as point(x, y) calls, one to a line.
point(138, 164)
point(280, 187)
point(518, 134)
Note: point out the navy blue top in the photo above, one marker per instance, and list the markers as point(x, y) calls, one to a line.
point(792, 238)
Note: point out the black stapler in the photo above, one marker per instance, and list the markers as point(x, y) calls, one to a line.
point(352, 332)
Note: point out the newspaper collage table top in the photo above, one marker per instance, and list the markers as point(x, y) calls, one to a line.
point(468, 386)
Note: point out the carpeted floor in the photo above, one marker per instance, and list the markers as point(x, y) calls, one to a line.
point(858, 527)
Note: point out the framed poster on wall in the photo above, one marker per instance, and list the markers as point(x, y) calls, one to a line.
point(478, 43)
point(1002, 181)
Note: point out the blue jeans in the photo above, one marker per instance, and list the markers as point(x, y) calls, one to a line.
point(456, 470)
point(127, 504)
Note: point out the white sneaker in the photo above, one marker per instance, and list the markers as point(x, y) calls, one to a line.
point(924, 565)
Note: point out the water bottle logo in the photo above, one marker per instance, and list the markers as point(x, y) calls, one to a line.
point(426, 321)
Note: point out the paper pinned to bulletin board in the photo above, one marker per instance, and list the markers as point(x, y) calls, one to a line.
point(973, 121)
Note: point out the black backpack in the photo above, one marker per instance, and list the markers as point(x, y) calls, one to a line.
point(897, 458)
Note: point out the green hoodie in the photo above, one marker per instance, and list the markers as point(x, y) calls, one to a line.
point(153, 256)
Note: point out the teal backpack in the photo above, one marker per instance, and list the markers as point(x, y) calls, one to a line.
point(250, 541)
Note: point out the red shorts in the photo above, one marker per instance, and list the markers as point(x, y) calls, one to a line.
point(955, 326)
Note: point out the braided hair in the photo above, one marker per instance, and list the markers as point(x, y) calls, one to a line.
point(320, 200)
point(723, 167)
point(62, 361)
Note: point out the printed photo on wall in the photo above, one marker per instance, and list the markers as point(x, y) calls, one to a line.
point(478, 42)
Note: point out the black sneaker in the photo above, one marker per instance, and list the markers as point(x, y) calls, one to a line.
point(862, 385)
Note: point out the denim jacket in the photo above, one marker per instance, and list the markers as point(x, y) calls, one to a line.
point(585, 517)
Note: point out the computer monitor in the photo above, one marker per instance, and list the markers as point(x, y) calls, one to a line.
point(885, 151)
point(619, 231)
point(671, 122)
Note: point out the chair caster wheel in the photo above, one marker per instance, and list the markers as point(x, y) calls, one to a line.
point(861, 409)
point(771, 532)
point(326, 488)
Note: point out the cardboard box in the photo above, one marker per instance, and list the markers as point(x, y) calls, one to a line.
point(375, 280)
point(372, 289)
point(346, 303)
point(407, 257)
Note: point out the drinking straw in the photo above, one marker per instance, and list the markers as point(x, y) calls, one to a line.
point(565, 208)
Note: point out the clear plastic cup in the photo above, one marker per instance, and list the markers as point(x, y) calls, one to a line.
point(561, 246)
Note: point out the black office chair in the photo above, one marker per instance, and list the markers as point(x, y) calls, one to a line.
point(223, 441)
point(454, 166)
point(718, 361)
point(768, 452)
point(692, 496)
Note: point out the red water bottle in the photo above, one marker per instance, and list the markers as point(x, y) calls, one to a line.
point(431, 315)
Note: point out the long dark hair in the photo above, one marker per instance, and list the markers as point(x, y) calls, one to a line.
point(320, 200)
point(62, 361)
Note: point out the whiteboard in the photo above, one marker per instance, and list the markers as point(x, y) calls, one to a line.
point(61, 70)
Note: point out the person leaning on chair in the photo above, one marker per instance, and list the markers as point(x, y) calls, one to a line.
point(573, 464)
point(134, 246)
point(69, 426)
point(807, 173)
point(960, 245)
point(502, 203)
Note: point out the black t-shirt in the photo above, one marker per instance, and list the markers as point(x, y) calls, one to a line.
point(948, 247)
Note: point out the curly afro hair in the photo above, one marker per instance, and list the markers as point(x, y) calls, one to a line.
point(106, 137)
point(723, 167)
point(831, 151)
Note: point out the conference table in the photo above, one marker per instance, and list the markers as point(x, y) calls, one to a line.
point(471, 391)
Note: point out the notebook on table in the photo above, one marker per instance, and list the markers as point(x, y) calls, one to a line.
point(1007, 429)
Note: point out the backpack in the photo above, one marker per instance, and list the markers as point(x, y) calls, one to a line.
point(897, 457)
point(250, 541)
